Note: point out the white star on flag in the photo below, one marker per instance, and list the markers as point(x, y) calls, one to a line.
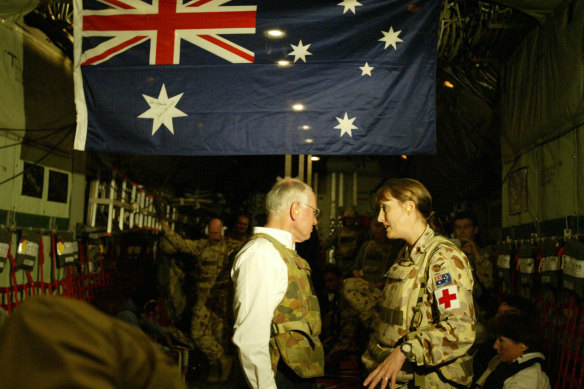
point(391, 38)
point(162, 110)
point(350, 5)
point(346, 125)
point(300, 51)
point(366, 70)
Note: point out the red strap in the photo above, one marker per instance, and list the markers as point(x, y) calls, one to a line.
point(30, 289)
point(70, 292)
point(13, 274)
point(42, 264)
point(54, 284)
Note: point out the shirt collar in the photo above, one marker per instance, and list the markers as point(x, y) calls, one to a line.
point(528, 356)
point(282, 236)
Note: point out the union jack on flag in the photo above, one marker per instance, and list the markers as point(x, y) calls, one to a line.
point(164, 24)
point(244, 77)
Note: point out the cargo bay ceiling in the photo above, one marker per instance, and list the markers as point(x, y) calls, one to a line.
point(475, 40)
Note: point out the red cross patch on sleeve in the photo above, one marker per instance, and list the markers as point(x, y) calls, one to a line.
point(447, 298)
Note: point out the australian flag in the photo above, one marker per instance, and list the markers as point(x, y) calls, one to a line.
point(220, 77)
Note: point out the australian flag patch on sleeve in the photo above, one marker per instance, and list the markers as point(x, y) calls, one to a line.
point(443, 280)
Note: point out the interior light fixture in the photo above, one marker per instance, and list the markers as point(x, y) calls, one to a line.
point(275, 33)
point(403, 156)
point(298, 107)
point(308, 140)
point(315, 158)
point(305, 127)
point(448, 84)
point(283, 62)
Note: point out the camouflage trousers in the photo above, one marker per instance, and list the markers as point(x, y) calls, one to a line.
point(207, 330)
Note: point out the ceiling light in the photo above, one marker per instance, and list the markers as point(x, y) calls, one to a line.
point(305, 127)
point(315, 158)
point(308, 140)
point(403, 156)
point(275, 33)
point(448, 84)
point(298, 107)
point(283, 62)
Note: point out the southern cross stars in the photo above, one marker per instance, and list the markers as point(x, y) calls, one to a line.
point(346, 125)
point(366, 70)
point(391, 38)
point(162, 110)
point(350, 5)
point(300, 51)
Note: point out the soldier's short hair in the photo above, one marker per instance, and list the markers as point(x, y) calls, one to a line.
point(520, 327)
point(284, 193)
point(466, 215)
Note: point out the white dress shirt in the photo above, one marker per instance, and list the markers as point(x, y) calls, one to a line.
point(532, 377)
point(260, 277)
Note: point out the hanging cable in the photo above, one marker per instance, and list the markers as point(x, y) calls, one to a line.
point(41, 158)
point(31, 141)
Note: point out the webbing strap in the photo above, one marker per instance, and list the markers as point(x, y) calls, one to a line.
point(13, 274)
point(53, 253)
point(391, 316)
point(297, 325)
point(42, 263)
point(30, 285)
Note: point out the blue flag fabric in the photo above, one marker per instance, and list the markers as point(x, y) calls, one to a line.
point(220, 77)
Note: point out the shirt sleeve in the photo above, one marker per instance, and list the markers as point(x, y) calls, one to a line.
point(260, 277)
point(452, 317)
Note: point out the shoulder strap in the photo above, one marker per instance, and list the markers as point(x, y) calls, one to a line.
point(284, 251)
point(496, 379)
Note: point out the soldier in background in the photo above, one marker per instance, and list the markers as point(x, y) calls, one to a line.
point(209, 326)
point(376, 256)
point(426, 318)
point(241, 230)
point(482, 261)
point(342, 333)
point(346, 241)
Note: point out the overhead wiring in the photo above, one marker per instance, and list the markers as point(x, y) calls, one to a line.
point(49, 152)
point(55, 129)
point(32, 141)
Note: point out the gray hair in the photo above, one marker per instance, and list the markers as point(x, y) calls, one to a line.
point(284, 193)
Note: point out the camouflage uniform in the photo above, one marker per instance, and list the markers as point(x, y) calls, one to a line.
point(374, 259)
point(438, 320)
point(208, 326)
point(483, 266)
point(296, 324)
point(346, 242)
point(342, 332)
point(364, 298)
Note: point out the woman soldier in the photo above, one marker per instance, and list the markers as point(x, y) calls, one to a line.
point(426, 318)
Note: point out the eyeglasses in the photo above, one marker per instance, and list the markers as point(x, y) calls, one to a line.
point(315, 211)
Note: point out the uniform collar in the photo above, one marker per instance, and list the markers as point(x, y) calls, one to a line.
point(417, 252)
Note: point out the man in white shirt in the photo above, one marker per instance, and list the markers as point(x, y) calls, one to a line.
point(264, 269)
